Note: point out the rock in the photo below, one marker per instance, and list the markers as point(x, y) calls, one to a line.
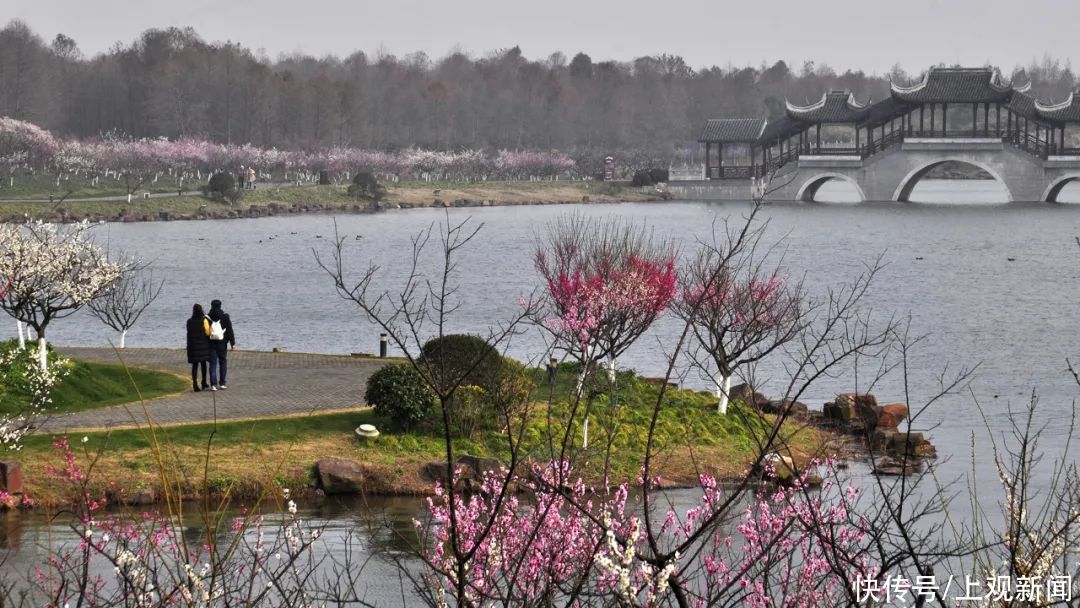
point(141, 497)
point(793, 409)
point(585, 198)
point(910, 445)
point(890, 466)
point(339, 476)
point(11, 477)
point(365, 432)
point(783, 465)
point(434, 471)
point(840, 412)
point(745, 394)
point(478, 466)
point(891, 415)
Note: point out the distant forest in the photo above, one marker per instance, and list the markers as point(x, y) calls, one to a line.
point(172, 83)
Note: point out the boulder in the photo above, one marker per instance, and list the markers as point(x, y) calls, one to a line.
point(783, 465)
point(434, 471)
point(794, 409)
point(478, 466)
point(339, 476)
point(840, 411)
point(11, 477)
point(897, 466)
point(891, 415)
point(745, 394)
point(910, 445)
point(141, 497)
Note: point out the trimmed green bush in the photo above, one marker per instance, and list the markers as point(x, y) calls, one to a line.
point(461, 359)
point(400, 395)
point(366, 186)
point(222, 188)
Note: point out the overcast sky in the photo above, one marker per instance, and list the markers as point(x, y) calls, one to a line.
point(857, 34)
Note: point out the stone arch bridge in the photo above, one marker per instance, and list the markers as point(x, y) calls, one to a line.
point(891, 175)
point(966, 115)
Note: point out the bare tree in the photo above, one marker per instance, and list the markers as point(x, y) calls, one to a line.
point(123, 302)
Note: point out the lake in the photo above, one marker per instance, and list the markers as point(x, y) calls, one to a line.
point(992, 286)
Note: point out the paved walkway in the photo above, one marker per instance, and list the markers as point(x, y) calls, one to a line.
point(260, 384)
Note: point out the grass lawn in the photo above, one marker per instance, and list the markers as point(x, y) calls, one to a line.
point(249, 456)
point(92, 385)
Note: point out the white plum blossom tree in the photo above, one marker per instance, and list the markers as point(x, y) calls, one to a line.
point(121, 304)
point(52, 271)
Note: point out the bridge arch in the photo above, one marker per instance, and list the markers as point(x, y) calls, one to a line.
point(810, 187)
point(907, 185)
point(1056, 186)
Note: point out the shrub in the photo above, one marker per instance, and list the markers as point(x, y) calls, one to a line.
point(463, 359)
point(648, 177)
point(641, 178)
point(222, 188)
point(400, 395)
point(365, 185)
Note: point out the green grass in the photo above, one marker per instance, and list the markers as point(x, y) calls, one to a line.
point(94, 385)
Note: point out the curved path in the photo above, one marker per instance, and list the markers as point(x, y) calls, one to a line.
point(261, 384)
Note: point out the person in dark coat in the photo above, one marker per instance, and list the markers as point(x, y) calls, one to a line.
point(198, 345)
point(219, 348)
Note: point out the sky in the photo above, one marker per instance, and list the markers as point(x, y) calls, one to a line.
point(846, 34)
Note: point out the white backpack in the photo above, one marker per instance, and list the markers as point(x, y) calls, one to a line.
point(217, 332)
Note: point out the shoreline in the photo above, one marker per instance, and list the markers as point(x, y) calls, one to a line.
point(272, 202)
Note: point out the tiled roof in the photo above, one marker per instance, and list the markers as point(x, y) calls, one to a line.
point(835, 106)
point(1066, 111)
point(955, 85)
point(1022, 104)
point(782, 128)
point(884, 111)
point(733, 129)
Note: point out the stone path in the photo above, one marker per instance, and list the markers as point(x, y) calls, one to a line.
point(260, 384)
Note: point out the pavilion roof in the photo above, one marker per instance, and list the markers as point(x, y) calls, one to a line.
point(735, 130)
point(781, 128)
point(1022, 104)
point(834, 107)
point(885, 110)
point(1066, 111)
point(959, 85)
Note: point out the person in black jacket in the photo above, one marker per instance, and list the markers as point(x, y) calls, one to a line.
point(198, 345)
point(219, 347)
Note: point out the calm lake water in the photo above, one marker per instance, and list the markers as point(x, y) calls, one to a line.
point(992, 286)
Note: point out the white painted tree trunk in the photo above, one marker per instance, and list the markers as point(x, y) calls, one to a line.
point(123, 335)
point(129, 197)
point(22, 338)
point(585, 433)
point(43, 353)
point(611, 369)
point(723, 387)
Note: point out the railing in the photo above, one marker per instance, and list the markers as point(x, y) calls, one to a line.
point(959, 133)
point(745, 172)
point(1028, 143)
point(877, 145)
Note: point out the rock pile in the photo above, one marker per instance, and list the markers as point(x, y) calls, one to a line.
point(897, 452)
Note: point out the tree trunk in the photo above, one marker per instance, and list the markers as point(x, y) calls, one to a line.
point(123, 334)
point(22, 338)
point(129, 197)
point(611, 369)
point(43, 353)
point(723, 387)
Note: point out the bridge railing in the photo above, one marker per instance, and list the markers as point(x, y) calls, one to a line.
point(737, 172)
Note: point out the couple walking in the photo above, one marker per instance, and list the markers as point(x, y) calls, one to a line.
point(208, 340)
